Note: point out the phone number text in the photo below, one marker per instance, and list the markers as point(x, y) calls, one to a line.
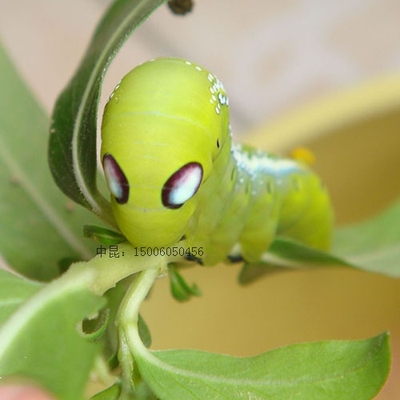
point(168, 251)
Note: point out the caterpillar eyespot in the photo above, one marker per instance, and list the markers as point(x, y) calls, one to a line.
point(182, 185)
point(116, 179)
point(173, 172)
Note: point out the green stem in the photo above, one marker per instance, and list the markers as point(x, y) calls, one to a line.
point(103, 272)
point(127, 321)
point(102, 372)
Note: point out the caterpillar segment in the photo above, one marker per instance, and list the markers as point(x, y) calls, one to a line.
point(174, 173)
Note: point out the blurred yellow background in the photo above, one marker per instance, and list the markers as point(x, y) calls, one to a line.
point(334, 63)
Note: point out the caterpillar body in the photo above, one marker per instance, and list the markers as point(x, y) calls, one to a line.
point(173, 172)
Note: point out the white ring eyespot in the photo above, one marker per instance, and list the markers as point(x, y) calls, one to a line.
point(182, 185)
point(116, 179)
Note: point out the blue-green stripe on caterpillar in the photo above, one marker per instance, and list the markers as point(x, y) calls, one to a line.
point(173, 172)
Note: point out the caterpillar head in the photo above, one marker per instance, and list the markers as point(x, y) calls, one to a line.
point(163, 127)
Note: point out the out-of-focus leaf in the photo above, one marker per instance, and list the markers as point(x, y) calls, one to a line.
point(41, 340)
point(373, 245)
point(38, 225)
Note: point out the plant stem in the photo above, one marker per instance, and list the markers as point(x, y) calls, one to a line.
point(103, 272)
point(127, 321)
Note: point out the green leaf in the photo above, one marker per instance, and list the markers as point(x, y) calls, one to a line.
point(103, 235)
point(95, 328)
point(72, 147)
point(373, 246)
point(111, 393)
point(41, 339)
point(286, 254)
point(339, 370)
point(144, 332)
point(39, 225)
point(114, 297)
point(180, 289)
point(14, 290)
point(142, 392)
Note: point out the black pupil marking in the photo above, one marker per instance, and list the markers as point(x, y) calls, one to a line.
point(175, 182)
point(116, 179)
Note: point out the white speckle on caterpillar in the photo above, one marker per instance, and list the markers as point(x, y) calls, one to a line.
point(116, 88)
point(222, 99)
point(217, 89)
point(258, 161)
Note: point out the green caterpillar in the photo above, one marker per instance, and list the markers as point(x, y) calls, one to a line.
point(173, 173)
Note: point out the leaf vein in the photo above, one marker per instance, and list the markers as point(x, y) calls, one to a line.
point(44, 206)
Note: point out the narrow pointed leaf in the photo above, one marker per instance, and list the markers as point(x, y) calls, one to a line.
point(38, 225)
point(72, 147)
point(373, 245)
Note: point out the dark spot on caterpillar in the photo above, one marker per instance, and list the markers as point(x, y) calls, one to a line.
point(235, 259)
point(218, 144)
point(191, 257)
point(180, 7)
point(116, 179)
